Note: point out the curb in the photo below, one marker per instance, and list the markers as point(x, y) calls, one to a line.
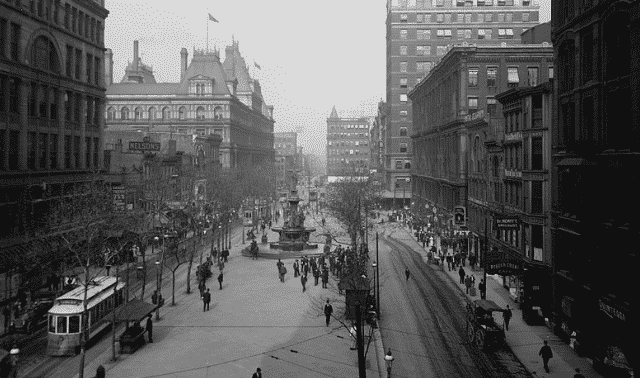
point(377, 340)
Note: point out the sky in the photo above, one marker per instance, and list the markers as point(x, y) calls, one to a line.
point(312, 54)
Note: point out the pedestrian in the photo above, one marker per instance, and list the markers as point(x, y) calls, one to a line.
point(407, 273)
point(257, 374)
point(325, 277)
point(328, 310)
point(578, 374)
point(467, 282)
point(283, 271)
point(323, 222)
point(296, 269)
point(6, 312)
point(269, 223)
point(482, 287)
point(507, 314)
point(206, 299)
point(220, 278)
point(201, 286)
point(278, 265)
point(316, 275)
point(303, 280)
point(150, 328)
point(449, 260)
point(546, 354)
point(461, 273)
point(154, 297)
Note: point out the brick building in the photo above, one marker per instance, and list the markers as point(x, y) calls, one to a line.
point(286, 146)
point(51, 120)
point(418, 35)
point(347, 145)
point(595, 149)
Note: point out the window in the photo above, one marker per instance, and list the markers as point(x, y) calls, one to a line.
point(403, 114)
point(97, 71)
point(403, 131)
point(420, 18)
point(403, 50)
point(69, 62)
point(398, 164)
point(53, 103)
point(403, 98)
point(440, 17)
point(93, 30)
point(67, 151)
point(182, 113)
point(480, 17)
point(403, 34)
point(124, 113)
point(441, 50)
point(532, 76)
point(89, 67)
point(423, 50)
point(536, 197)
point(447, 18)
point(512, 76)
point(509, 17)
point(3, 36)
point(567, 59)
point(423, 34)
point(74, 324)
point(403, 17)
point(99, 32)
point(76, 151)
point(96, 152)
point(536, 153)
point(80, 22)
point(473, 103)
point(403, 147)
point(403, 66)
point(587, 56)
point(61, 324)
point(423, 66)
point(15, 41)
point(473, 77)
point(491, 105)
point(166, 113)
point(200, 114)
point(488, 17)
point(111, 113)
point(78, 62)
point(568, 123)
point(137, 115)
point(31, 150)
point(525, 17)
point(152, 113)
point(551, 73)
point(403, 82)
point(53, 151)
point(460, 18)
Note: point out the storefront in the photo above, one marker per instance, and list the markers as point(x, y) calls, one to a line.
point(614, 348)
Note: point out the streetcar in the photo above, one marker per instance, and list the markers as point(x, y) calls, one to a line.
point(64, 318)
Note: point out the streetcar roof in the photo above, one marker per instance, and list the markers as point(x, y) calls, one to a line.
point(65, 310)
point(97, 285)
point(72, 304)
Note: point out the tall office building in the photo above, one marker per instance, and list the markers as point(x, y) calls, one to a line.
point(51, 120)
point(348, 151)
point(419, 33)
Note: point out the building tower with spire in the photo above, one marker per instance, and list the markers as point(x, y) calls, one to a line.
point(348, 150)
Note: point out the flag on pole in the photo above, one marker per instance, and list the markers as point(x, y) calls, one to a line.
point(257, 65)
point(211, 18)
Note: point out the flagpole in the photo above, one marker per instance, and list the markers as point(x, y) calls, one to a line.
point(207, 32)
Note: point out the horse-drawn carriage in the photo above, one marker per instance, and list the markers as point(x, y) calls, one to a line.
point(482, 328)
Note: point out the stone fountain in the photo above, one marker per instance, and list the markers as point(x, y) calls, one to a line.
point(293, 235)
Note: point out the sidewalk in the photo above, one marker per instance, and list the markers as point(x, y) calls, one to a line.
point(255, 321)
point(524, 340)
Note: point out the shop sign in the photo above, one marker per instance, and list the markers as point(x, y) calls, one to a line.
point(459, 216)
point(144, 146)
point(118, 197)
point(611, 311)
point(507, 223)
point(502, 264)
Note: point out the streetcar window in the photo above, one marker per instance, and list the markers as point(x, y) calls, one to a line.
point(74, 324)
point(62, 324)
point(52, 324)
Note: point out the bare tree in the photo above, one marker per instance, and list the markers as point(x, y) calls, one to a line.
point(180, 256)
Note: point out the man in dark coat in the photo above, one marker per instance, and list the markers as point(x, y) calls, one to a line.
point(507, 314)
point(220, 278)
point(325, 277)
point(546, 354)
point(206, 299)
point(303, 280)
point(461, 273)
point(257, 374)
point(150, 328)
point(296, 269)
point(316, 275)
point(328, 310)
point(482, 287)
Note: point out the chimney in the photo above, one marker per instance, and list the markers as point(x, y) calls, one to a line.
point(135, 56)
point(183, 62)
point(108, 68)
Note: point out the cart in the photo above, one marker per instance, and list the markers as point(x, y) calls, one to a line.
point(482, 328)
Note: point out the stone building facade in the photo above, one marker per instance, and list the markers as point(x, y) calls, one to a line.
point(51, 120)
point(347, 145)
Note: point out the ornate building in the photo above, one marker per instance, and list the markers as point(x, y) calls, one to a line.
point(51, 121)
point(595, 159)
point(347, 146)
point(286, 146)
point(211, 98)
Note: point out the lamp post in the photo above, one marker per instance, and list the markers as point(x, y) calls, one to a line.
point(218, 239)
point(378, 281)
point(388, 360)
point(374, 265)
point(229, 234)
point(159, 274)
point(15, 354)
point(158, 289)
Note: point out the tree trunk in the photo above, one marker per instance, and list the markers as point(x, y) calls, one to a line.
point(83, 334)
point(173, 286)
point(189, 268)
point(144, 276)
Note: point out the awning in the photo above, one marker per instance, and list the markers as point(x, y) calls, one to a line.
point(134, 311)
point(488, 306)
point(574, 162)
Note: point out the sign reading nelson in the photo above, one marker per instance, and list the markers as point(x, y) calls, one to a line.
point(145, 145)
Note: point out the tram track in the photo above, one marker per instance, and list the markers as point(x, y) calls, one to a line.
point(499, 363)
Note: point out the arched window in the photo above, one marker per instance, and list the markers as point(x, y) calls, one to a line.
point(182, 113)
point(217, 112)
point(44, 55)
point(166, 113)
point(138, 113)
point(111, 113)
point(152, 113)
point(124, 113)
point(200, 113)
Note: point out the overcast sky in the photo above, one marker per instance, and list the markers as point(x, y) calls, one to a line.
point(312, 54)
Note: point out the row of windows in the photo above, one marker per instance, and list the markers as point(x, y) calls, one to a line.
point(402, 164)
point(348, 143)
point(75, 64)
point(152, 113)
point(460, 33)
point(468, 18)
point(42, 151)
point(344, 127)
point(423, 4)
point(347, 152)
point(357, 162)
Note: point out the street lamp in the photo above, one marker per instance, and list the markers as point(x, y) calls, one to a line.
point(374, 265)
point(219, 232)
point(229, 237)
point(14, 353)
point(388, 360)
point(158, 289)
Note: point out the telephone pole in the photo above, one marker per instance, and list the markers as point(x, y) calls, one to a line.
point(362, 371)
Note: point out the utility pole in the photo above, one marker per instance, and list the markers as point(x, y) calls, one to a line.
point(362, 371)
point(377, 288)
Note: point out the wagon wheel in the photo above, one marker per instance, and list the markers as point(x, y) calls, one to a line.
point(480, 342)
point(471, 333)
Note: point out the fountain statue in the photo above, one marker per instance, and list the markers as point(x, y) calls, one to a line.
point(293, 235)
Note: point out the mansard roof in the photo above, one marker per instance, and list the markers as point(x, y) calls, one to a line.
point(236, 67)
point(205, 65)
